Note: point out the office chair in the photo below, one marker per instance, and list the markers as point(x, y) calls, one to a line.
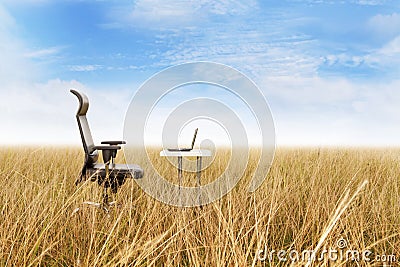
point(107, 174)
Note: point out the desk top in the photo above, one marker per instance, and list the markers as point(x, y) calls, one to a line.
point(191, 153)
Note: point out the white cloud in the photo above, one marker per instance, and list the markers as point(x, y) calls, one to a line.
point(386, 26)
point(42, 53)
point(344, 59)
point(85, 67)
point(44, 113)
point(308, 109)
point(24, 2)
point(333, 2)
point(248, 51)
point(385, 59)
point(6, 19)
point(167, 14)
point(392, 48)
point(35, 112)
point(309, 90)
point(13, 65)
point(321, 111)
point(370, 2)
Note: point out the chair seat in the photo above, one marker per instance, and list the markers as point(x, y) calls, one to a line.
point(135, 170)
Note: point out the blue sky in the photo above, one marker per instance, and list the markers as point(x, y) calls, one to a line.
point(329, 69)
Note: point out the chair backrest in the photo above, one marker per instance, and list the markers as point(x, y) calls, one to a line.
point(86, 135)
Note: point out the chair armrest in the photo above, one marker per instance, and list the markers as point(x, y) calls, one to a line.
point(112, 143)
point(108, 152)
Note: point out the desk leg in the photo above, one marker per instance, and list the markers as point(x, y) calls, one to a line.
point(180, 177)
point(198, 179)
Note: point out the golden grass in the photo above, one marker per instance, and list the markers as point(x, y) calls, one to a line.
point(291, 210)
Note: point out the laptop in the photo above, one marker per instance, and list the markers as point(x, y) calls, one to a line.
point(186, 149)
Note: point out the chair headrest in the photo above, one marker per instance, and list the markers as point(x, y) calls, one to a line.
point(83, 102)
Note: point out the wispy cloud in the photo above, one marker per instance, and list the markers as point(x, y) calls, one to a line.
point(43, 53)
point(371, 2)
point(85, 67)
point(13, 65)
point(25, 2)
point(164, 14)
point(344, 2)
point(385, 59)
point(277, 59)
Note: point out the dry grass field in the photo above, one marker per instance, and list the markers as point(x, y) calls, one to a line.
point(302, 205)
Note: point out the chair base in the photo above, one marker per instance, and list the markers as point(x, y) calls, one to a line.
point(105, 205)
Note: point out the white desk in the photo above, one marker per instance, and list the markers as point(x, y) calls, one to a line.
point(198, 153)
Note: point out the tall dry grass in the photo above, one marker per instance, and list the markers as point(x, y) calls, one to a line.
point(291, 210)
